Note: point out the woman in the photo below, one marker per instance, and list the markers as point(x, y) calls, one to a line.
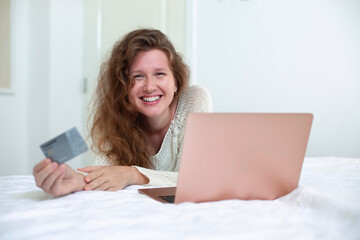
point(140, 109)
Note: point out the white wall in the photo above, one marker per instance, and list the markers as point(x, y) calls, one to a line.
point(66, 96)
point(47, 73)
point(284, 56)
point(37, 81)
point(13, 107)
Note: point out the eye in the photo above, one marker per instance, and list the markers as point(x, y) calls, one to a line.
point(138, 77)
point(159, 74)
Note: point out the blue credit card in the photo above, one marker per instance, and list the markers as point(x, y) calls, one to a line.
point(65, 146)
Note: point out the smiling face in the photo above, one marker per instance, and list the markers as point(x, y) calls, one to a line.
point(154, 84)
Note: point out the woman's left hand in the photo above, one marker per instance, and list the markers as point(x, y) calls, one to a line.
point(112, 178)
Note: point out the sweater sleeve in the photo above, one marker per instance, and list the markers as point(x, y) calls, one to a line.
point(159, 178)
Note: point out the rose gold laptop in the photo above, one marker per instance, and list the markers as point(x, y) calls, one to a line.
point(239, 156)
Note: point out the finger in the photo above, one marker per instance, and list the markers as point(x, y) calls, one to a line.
point(41, 165)
point(51, 179)
point(94, 174)
point(44, 173)
point(95, 184)
point(103, 187)
point(88, 169)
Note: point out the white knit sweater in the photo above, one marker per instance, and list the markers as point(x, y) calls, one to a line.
point(167, 160)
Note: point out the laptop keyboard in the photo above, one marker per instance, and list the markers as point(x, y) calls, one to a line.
point(169, 199)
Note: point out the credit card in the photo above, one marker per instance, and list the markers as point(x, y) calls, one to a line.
point(65, 146)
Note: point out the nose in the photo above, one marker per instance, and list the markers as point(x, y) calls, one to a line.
point(149, 85)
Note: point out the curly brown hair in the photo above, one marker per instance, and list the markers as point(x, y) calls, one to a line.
point(118, 131)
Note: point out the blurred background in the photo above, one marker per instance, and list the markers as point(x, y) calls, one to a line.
point(252, 55)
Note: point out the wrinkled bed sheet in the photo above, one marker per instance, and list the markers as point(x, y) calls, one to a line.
point(326, 205)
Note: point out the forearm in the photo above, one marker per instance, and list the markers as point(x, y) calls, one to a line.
point(139, 178)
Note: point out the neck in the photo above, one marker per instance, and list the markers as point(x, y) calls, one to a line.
point(158, 127)
point(160, 124)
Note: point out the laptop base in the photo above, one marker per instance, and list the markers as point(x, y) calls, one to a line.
point(164, 194)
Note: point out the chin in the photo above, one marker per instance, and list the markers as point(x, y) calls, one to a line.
point(150, 115)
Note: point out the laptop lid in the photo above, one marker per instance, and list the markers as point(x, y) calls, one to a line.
point(242, 155)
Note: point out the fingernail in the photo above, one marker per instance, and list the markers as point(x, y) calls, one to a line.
point(54, 165)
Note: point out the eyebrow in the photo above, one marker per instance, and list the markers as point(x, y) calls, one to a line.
point(155, 70)
point(161, 69)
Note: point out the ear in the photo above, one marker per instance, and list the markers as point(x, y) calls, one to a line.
point(176, 87)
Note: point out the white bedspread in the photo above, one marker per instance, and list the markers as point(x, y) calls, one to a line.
point(325, 206)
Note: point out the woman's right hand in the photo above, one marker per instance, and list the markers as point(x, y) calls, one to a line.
point(56, 179)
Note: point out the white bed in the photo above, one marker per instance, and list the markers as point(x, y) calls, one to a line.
point(325, 206)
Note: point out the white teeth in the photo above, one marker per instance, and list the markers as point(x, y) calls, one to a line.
point(151, 99)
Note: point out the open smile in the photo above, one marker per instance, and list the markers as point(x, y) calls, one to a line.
point(151, 99)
